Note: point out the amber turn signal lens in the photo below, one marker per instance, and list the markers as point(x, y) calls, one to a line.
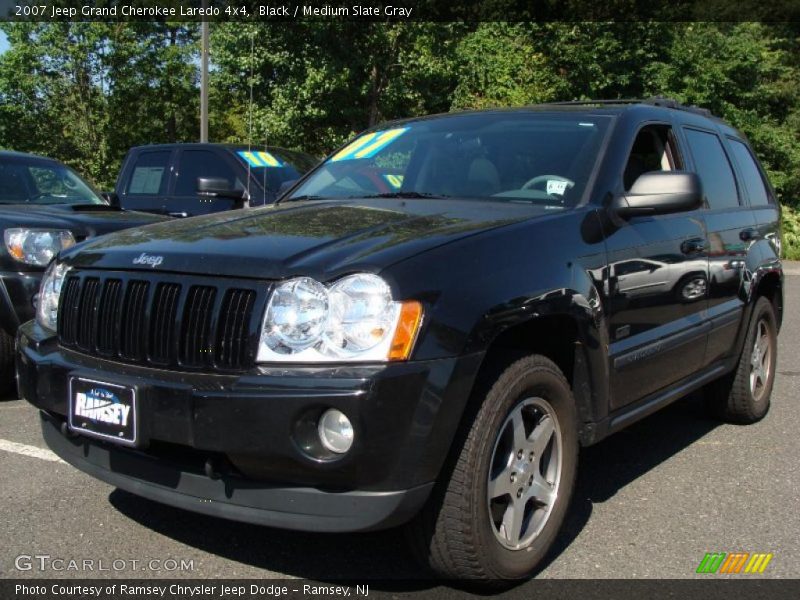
point(406, 332)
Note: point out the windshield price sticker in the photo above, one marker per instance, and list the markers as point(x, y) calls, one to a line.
point(556, 186)
point(369, 145)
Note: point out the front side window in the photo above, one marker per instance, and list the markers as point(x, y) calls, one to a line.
point(653, 150)
point(753, 181)
point(43, 183)
point(149, 176)
point(711, 164)
point(523, 157)
point(202, 163)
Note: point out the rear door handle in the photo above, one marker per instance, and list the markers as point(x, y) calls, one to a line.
point(749, 234)
point(693, 246)
point(178, 214)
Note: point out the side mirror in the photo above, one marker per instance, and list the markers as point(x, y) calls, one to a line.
point(218, 187)
point(111, 198)
point(660, 193)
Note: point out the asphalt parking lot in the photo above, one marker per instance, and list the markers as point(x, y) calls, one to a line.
point(650, 502)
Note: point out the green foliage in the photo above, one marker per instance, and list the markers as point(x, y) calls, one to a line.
point(746, 73)
point(86, 92)
point(791, 232)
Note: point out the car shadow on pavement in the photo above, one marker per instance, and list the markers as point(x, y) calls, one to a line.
point(604, 469)
point(620, 459)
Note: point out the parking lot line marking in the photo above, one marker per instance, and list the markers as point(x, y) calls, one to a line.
point(26, 450)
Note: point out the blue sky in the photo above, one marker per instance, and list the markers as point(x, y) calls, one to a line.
point(3, 42)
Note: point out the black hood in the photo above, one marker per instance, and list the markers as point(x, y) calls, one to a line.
point(320, 239)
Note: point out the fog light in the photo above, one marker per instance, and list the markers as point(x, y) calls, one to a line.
point(335, 431)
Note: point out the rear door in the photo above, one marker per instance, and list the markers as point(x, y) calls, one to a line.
point(760, 195)
point(145, 180)
point(656, 284)
point(731, 231)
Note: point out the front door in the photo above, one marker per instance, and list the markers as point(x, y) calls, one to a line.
point(656, 287)
point(193, 164)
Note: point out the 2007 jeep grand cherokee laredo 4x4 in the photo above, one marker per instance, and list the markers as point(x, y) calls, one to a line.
point(424, 330)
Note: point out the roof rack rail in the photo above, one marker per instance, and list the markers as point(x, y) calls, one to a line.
point(590, 102)
point(660, 101)
point(672, 103)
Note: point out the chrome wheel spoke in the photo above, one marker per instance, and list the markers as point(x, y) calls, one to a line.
point(501, 485)
point(520, 437)
point(542, 491)
point(513, 521)
point(541, 436)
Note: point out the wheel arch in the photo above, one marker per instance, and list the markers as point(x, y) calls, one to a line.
point(566, 328)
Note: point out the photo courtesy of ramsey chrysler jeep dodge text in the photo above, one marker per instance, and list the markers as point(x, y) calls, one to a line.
point(424, 329)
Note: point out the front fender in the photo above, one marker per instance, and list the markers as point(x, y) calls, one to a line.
point(477, 288)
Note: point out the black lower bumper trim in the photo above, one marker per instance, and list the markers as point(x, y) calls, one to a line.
point(299, 508)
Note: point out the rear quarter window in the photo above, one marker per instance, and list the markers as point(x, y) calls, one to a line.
point(711, 164)
point(753, 180)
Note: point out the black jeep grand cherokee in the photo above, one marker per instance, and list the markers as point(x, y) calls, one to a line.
point(424, 330)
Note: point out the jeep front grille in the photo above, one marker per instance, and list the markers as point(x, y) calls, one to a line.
point(144, 319)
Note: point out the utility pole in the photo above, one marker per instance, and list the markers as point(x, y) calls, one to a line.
point(204, 78)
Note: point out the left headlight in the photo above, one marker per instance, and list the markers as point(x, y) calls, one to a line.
point(49, 293)
point(354, 319)
point(37, 246)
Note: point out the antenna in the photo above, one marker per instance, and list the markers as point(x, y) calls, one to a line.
point(250, 110)
point(264, 183)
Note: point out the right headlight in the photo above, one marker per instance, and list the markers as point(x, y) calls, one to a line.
point(49, 293)
point(354, 319)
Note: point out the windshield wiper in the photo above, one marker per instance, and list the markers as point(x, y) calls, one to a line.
point(303, 197)
point(406, 194)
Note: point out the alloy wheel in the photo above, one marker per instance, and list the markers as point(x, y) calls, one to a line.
point(524, 473)
point(760, 361)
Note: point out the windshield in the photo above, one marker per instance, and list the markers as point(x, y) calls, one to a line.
point(40, 182)
point(526, 157)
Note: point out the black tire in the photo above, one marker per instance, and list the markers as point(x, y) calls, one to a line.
point(8, 380)
point(454, 534)
point(732, 398)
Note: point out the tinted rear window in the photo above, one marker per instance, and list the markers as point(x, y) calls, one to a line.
point(753, 181)
point(711, 163)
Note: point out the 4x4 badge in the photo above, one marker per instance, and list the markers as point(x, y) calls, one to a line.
point(148, 259)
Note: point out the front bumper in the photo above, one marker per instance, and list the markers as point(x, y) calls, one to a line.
point(247, 427)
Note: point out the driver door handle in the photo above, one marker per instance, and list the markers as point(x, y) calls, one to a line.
point(693, 246)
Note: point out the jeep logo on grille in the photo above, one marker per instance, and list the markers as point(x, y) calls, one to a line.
point(147, 259)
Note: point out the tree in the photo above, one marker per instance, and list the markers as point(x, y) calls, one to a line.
point(85, 92)
point(317, 83)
